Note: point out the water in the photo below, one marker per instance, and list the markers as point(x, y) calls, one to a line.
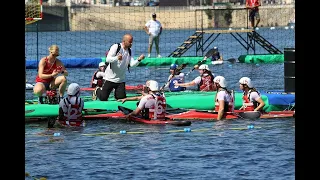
point(212, 150)
point(217, 152)
point(95, 43)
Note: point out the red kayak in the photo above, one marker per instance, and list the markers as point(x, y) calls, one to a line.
point(160, 122)
point(128, 87)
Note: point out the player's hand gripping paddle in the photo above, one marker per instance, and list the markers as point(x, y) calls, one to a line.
point(176, 71)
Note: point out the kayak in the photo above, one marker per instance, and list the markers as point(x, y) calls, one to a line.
point(164, 121)
point(216, 62)
point(160, 122)
point(29, 86)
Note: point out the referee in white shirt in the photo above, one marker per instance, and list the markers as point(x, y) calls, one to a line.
point(115, 72)
point(154, 29)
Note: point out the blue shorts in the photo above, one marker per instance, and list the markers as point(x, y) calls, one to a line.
point(46, 85)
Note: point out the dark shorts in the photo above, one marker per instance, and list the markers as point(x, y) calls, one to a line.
point(254, 13)
point(46, 85)
point(104, 93)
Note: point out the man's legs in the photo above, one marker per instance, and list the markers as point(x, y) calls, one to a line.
point(104, 92)
point(150, 45)
point(156, 41)
point(257, 15)
point(120, 92)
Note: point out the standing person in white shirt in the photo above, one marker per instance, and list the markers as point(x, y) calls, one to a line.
point(154, 29)
point(115, 73)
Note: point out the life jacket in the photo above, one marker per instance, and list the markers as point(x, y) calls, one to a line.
point(228, 106)
point(158, 111)
point(246, 99)
point(206, 83)
point(252, 3)
point(48, 69)
point(96, 81)
point(174, 88)
point(215, 57)
point(73, 116)
point(118, 50)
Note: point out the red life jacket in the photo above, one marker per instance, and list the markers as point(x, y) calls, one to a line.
point(48, 69)
point(158, 110)
point(73, 116)
point(206, 83)
point(246, 99)
point(96, 81)
point(228, 106)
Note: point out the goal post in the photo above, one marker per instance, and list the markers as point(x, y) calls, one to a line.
point(33, 11)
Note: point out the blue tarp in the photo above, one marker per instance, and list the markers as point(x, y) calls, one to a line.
point(280, 98)
point(70, 63)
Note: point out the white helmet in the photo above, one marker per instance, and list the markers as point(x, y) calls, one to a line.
point(247, 81)
point(204, 66)
point(73, 89)
point(221, 81)
point(215, 48)
point(153, 85)
point(102, 64)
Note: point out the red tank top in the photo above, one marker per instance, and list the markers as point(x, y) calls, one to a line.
point(252, 3)
point(48, 69)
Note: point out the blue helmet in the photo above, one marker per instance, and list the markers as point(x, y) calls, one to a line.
point(173, 66)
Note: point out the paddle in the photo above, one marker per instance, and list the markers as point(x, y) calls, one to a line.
point(125, 110)
point(29, 111)
point(176, 71)
point(244, 115)
point(208, 54)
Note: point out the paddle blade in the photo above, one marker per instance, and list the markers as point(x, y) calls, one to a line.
point(125, 110)
point(28, 111)
point(232, 60)
point(250, 115)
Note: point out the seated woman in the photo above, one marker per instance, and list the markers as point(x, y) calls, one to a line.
point(216, 56)
point(152, 106)
point(252, 100)
point(204, 81)
point(97, 77)
point(175, 76)
point(224, 101)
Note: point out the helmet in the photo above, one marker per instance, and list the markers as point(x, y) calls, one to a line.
point(153, 85)
point(73, 89)
point(204, 66)
point(221, 81)
point(173, 66)
point(215, 48)
point(102, 64)
point(247, 81)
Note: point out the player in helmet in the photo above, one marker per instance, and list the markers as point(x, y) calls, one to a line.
point(70, 108)
point(224, 100)
point(204, 81)
point(252, 100)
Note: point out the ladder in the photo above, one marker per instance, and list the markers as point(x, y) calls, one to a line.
point(254, 36)
point(187, 44)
